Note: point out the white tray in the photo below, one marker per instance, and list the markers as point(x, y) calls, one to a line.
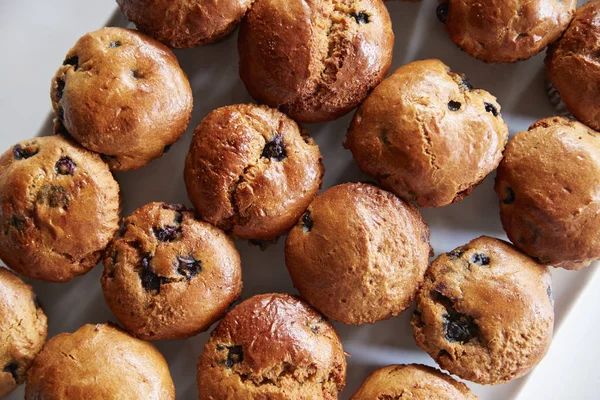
point(213, 73)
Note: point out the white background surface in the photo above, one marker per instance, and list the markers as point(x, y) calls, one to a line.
point(36, 34)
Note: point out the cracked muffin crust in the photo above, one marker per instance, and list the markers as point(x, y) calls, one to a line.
point(426, 134)
point(315, 60)
point(573, 68)
point(413, 381)
point(52, 191)
point(23, 330)
point(548, 185)
point(358, 254)
point(485, 312)
point(272, 346)
point(185, 23)
point(122, 94)
point(169, 276)
point(99, 362)
point(252, 171)
point(505, 31)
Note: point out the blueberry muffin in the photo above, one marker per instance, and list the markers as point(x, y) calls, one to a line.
point(60, 208)
point(548, 185)
point(272, 346)
point(358, 254)
point(122, 94)
point(23, 330)
point(485, 312)
point(426, 134)
point(315, 60)
point(412, 381)
point(252, 171)
point(505, 31)
point(99, 362)
point(169, 276)
point(184, 23)
point(572, 65)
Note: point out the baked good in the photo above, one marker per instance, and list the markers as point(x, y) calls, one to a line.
point(427, 135)
point(572, 68)
point(122, 94)
point(417, 382)
point(548, 184)
point(99, 362)
point(485, 312)
point(505, 31)
point(272, 346)
point(184, 23)
point(314, 60)
point(60, 208)
point(252, 171)
point(358, 254)
point(23, 330)
point(169, 276)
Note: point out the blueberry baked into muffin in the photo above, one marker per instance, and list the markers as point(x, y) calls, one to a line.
point(23, 330)
point(572, 67)
point(315, 60)
point(427, 135)
point(485, 312)
point(358, 254)
point(272, 346)
point(169, 276)
point(99, 362)
point(505, 31)
point(185, 23)
point(122, 94)
point(252, 171)
point(548, 185)
point(413, 381)
point(60, 208)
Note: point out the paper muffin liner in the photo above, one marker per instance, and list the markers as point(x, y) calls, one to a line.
point(556, 100)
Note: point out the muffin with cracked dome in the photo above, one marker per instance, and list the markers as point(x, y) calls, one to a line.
point(501, 31)
point(315, 60)
point(252, 171)
point(358, 254)
point(60, 208)
point(427, 135)
point(412, 382)
point(573, 69)
point(185, 23)
point(548, 185)
point(272, 346)
point(99, 362)
point(23, 329)
point(169, 276)
point(122, 94)
point(485, 312)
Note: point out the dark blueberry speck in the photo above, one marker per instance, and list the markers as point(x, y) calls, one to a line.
point(24, 152)
point(454, 105)
point(188, 266)
point(466, 83)
point(360, 18)
point(60, 87)
point(307, 222)
point(53, 195)
point(509, 198)
point(65, 166)
point(234, 356)
point(442, 12)
point(74, 61)
point(114, 44)
point(275, 149)
point(455, 254)
point(150, 280)
point(168, 233)
point(12, 368)
point(459, 327)
point(491, 109)
point(480, 259)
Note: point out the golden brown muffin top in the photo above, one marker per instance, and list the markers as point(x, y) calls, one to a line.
point(358, 254)
point(485, 312)
point(506, 30)
point(416, 382)
point(23, 330)
point(60, 207)
point(251, 171)
point(427, 135)
point(549, 190)
point(315, 60)
point(99, 362)
point(122, 94)
point(272, 346)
